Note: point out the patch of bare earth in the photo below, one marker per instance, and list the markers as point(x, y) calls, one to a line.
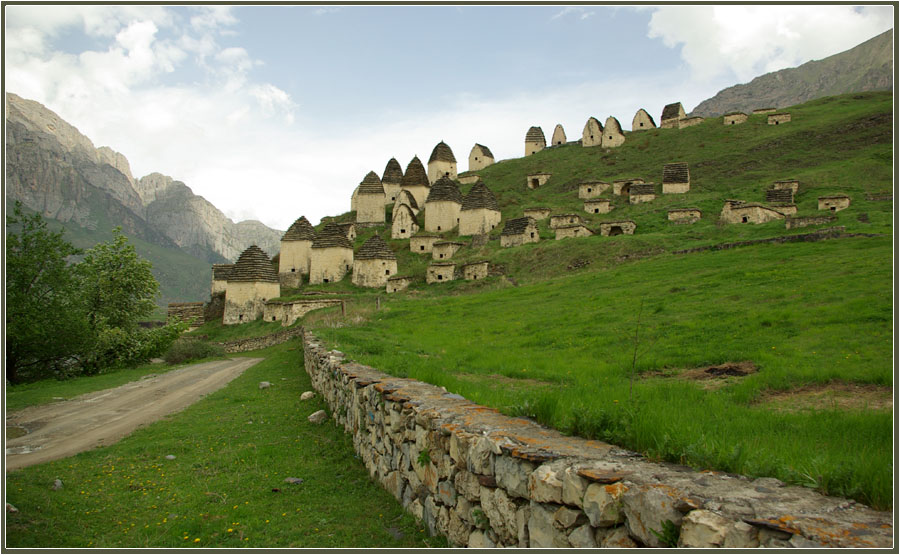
point(708, 377)
point(830, 396)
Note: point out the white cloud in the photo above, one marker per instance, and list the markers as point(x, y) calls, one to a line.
point(324, 10)
point(581, 12)
point(746, 40)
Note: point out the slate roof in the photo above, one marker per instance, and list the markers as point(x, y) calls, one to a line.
point(517, 226)
point(340, 227)
point(642, 189)
point(221, 271)
point(442, 153)
point(393, 173)
point(371, 185)
point(300, 230)
point(676, 172)
point(444, 189)
point(780, 195)
point(535, 134)
point(685, 210)
point(415, 174)
point(411, 198)
point(734, 114)
point(253, 265)
point(332, 235)
point(672, 111)
point(375, 249)
point(485, 151)
point(480, 197)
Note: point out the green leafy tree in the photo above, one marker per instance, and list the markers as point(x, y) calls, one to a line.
point(46, 325)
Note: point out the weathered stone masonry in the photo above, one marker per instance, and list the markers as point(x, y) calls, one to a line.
point(483, 479)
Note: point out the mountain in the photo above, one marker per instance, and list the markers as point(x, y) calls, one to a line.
point(866, 67)
point(55, 170)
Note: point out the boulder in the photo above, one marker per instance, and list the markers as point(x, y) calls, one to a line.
point(307, 395)
point(318, 417)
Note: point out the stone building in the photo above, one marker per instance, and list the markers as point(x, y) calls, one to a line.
point(592, 188)
point(190, 313)
point(407, 198)
point(734, 118)
point(612, 133)
point(560, 220)
point(676, 178)
point(374, 263)
point(592, 134)
point(791, 223)
point(519, 231)
point(415, 180)
point(442, 206)
point(534, 141)
point(684, 215)
point(597, 206)
point(353, 198)
point(641, 192)
point(288, 312)
point(442, 163)
point(792, 184)
point(293, 260)
point(370, 201)
point(623, 186)
point(740, 212)
point(778, 119)
point(439, 272)
point(642, 121)
point(423, 243)
point(251, 283)
point(480, 212)
point(782, 196)
point(671, 114)
point(391, 180)
point(480, 157)
point(476, 270)
point(346, 229)
point(331, 256)
point(444, 250)
point(559, 135)
point(470, 179)
point(220, 273)
point(577, 230)
point(535, 180)
point(396, 284)
point(537, 212)
point(764, 110)
point(689, 122)
point(834, 203)
point(403, 222)
point(621, 227)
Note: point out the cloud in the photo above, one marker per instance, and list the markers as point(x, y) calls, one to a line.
point(746, 40)
point(323, 11)
point(581, 12)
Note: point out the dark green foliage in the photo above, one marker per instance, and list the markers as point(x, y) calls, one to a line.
point(185, 349)
point(669, 535)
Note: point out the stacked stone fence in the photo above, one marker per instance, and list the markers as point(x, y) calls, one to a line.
point(819, 235)
point(483, 479)
point(186, 312)
point(254, 343)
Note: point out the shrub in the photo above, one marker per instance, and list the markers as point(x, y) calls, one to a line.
point(185, 349)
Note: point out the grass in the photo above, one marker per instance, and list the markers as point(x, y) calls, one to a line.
point(225, 488)
point(560, 351)
point(216, 332)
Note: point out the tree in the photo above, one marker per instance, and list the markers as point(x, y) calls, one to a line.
point(46, 326)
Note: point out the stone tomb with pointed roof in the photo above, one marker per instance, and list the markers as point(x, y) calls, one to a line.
point(537, 212)
point(293, 260)
point(220, 273)
point(415, 180)
point(442, 163)
point(346, 229)
point(671, 115)
point(404, 223)
point(251, 283)
point(734, 118)
point(642, 121)
point(480, 212)
point(592, 134)
point(480, 157)
point(623, 186)
point(391, 180)
point(534, 141)
point(407, 198)
point(592, 188)
point(559, 135)
point(373, 263)
point(597, 206)
point(331, 256)
point(442, 206)
point(370, 201)
point(612, 134)
point(676, 178)
point(519, 231)
point(476, 270)
point(439, 272)
point(423, 243)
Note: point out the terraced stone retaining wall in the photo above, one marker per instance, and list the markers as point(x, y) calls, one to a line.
point(483, 479)
point(254, 343)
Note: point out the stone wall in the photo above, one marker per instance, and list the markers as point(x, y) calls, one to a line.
point(536, 213)
point(443, 250)
point(684, 215)
point(287, 312)
point(245, 301)
point(373, 272)
point(423, 243)
point(591, 189)
point(791, 223)
point(835, 203)
point(254, 343)
point(397, 283)
point(370, 208)
point(441, 215)
point(483, 479)
point(597, 206)
point(576, 230)
point(734, 118)
point(478, 221)
point(293, 262)
point(186, 312)
point(476, 270)
point(776, 119)
point(535, 180)
point(329, 265)
point(440, 168)
point(440, 272)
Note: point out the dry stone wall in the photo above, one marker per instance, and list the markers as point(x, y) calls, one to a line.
point(254, 343)
point(186, 312)
point(483, 479)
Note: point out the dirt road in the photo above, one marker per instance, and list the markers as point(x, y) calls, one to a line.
point(103, 417)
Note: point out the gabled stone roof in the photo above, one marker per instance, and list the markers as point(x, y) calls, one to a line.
point(485, 151)
point(535, 134)
point(646, 113)
point(370, 185)
point(676, 172)
point(595, 120)
point(415, 174)
point(332, 235)
point(411, 198)
point(221, 271)
point(253, 265)
point(442, 153)
point(393, 173)
point(642, 189)
point(780, 195)
point(300, 230)
point(406, 207)
point(612, 121)
point(480, 197)
point(672, 111)
point(517, 226)
point(375, 249)
point(444, 189)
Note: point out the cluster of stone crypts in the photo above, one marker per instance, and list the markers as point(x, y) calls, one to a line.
point(483, 479)
point(251, 282)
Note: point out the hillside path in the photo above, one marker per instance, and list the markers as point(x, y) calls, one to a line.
point(62, 429)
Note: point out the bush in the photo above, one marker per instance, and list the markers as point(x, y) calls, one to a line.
point(185, 349)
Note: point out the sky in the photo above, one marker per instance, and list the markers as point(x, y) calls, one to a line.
point(276, 112)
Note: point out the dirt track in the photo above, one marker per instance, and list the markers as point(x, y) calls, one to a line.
point(103, 417)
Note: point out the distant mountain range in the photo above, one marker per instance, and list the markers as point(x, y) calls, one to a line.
point(866, 67)
point(56, 171)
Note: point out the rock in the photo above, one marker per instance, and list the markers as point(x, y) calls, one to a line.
point(293, 480)
point(501, 512)
point(566, 517)
point(416, 509)
point(616, 538)
point(522, 515)
point(603, 504)
point(512, 475)
point(170, 457)
point(583, 537)
point(264, 385)
point(541, 531)
point(741, 536)
point(57, 484)
point(545, 485)
point(574, 487)
point(481, 456)
point(318, 417)
point(649, 507)
point(803, 543)
point(446, 493)
point(307, 395)
point(702, 529)
point(458, 530)
point(467, 485)
point(479, 540)
point(11, 509)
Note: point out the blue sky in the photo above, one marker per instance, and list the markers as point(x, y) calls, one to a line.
point(276, 112)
